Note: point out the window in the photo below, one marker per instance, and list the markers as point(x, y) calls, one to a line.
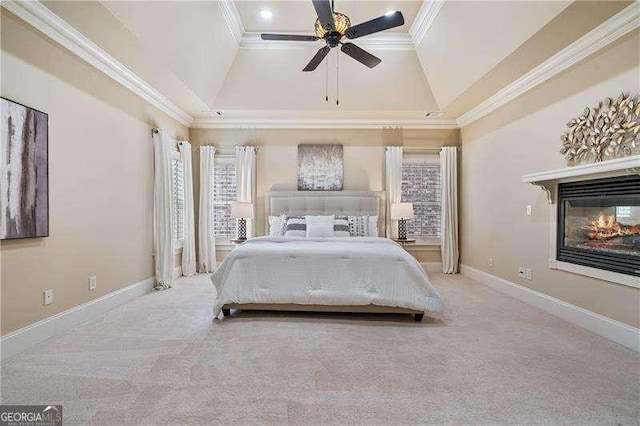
point(224, 194)
point(177, 177)
point(623, 212)
point(421, 186)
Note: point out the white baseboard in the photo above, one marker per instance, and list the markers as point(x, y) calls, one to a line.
point(601, 325)
point(432, 266)
point(26, 337)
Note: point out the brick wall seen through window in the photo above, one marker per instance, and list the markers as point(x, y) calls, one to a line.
point(421, 186)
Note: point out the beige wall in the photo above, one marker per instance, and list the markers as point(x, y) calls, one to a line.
point(524, 137)
point(277, 159)
point(100, 180)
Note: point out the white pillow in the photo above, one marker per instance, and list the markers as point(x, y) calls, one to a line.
point(319, 229)
point(276, 225)
point(319, 219)
point(372, 230)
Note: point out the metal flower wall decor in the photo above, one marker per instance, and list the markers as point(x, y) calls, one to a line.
point(609, 130)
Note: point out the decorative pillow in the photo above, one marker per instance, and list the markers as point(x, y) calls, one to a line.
point(283, 224)
point(319, 219)
point(363, 226)
point(319, 225)
point(296, 226)
point(341, 226)
point(275, 225)
point(319, 229)
point(358, 226)
point(373, 226)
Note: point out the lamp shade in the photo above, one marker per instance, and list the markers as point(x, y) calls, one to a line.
point(401, 211)
point(242, 210)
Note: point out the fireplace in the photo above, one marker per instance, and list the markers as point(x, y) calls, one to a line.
point(599, 224)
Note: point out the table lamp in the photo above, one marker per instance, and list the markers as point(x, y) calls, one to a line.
point(401, 212)
point(242, 211)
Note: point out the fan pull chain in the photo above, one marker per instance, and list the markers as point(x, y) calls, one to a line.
point(326, 83)
point(338, 76)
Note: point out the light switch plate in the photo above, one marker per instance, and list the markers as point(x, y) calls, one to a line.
point(529, 210)
point(92, 282)
point(48, 297)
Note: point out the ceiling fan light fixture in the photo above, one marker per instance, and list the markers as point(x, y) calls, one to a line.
point(266, 14)
point(341, 23)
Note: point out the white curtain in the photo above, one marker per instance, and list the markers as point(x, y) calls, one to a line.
point(246, 181)
point(206, 239)
point(189, 243)
point(449, 218)
point(164, 240)
point(394, 185)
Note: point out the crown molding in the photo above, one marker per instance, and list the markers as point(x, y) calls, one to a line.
point(232, 19)
point(609, 31)
point(207, 122)
point(426, 15)
point(54, 27)
point(391, 41)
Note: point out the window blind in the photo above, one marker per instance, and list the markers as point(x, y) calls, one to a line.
point(224, 194)
point(178, 199)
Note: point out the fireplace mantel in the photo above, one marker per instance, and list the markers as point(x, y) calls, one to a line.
point(548, 180)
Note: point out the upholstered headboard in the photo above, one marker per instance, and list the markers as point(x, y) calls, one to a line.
point(300, 203)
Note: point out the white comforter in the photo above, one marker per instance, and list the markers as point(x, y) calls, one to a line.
point(324, 271)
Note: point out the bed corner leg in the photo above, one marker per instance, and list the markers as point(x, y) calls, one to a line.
point(418, 317)
point(226, 312)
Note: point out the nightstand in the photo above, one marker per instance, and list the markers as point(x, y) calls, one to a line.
point(426, 251)
point(405, 241)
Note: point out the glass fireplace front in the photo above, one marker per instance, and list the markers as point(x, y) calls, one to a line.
point(599, 224)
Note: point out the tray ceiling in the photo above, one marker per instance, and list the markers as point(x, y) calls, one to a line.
point(299, 16)
point(204, 56)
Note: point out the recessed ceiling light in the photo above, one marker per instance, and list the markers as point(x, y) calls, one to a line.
point(266, 14)
point(390, 12)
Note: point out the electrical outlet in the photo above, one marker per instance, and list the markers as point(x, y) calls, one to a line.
point(490, 262)
point(92, 282)
point(529, 274)
point(529, 210)
point(48, 297)
point(522, 273)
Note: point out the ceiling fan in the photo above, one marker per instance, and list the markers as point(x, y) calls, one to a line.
point(332, 27)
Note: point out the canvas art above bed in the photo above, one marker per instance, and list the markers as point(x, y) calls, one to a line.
point(24, 180)
point(320, 167)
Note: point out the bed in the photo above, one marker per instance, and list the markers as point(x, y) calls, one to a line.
point(338, 274)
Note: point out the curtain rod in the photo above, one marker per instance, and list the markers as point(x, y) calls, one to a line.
point(235, 146)
point(435, 149)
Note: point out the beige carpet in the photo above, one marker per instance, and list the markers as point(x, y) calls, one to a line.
point(492, 359)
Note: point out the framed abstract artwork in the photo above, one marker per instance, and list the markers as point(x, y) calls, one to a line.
point(320, 167)
point(24, 172)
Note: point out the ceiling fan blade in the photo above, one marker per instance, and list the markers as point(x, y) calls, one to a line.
point(317, 59)
point(288, 37)
point(360, 55)
point(325, 14)
point(382, 23)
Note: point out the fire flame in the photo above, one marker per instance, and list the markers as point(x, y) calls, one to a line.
point(606, 227)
